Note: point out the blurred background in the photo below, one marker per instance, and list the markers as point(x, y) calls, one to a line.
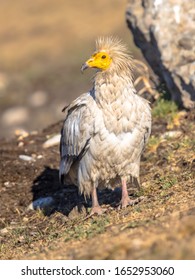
point(42, 46)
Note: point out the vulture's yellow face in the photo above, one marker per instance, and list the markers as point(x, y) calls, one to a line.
point(100, 60)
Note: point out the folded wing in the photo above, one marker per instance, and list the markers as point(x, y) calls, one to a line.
point(76, 133)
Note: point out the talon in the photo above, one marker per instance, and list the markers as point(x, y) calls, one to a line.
point(130, 202)
point(97, 210)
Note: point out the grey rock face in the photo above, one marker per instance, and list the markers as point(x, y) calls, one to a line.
point(165, 32)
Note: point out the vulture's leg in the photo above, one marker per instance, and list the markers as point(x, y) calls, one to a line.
point(96, 208)
point(125, 201)
point(125, 197)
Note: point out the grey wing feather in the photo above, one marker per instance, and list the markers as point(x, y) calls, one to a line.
point(76, 133)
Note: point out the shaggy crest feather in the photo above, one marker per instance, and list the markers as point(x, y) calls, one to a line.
point(112, 44)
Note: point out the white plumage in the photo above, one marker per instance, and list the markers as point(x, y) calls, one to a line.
point(105, 130)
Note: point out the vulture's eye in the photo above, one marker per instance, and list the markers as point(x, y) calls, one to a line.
point(103, 56)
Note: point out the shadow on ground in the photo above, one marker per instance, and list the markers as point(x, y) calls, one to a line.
point(50, 196)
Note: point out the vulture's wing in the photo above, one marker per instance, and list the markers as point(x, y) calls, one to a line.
point(76, 132)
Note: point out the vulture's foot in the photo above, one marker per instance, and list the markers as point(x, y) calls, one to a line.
point(97, 210)
point(127, 201)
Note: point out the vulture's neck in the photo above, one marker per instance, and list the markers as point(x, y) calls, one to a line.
point(110, 87)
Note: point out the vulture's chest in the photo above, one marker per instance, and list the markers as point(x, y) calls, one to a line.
point(118, 132)
point(119, 116)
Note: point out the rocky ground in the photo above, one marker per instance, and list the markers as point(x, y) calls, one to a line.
point(161, 226)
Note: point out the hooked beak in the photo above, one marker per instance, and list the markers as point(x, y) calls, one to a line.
point(84, 66)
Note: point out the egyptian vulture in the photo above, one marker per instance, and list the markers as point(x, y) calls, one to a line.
point(105, 130)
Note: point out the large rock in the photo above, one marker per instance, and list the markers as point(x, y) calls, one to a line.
point(165, 32)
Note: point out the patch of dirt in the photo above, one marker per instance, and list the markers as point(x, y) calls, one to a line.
point(161, 226)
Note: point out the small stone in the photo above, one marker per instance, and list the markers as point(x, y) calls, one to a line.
point(9, 184)
point(171, 134)
point(26, 158)
point(42, 203)
point(21, 137)
point(21, 133)
point(55, 140)
point(39, 156)
point(20, 144)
